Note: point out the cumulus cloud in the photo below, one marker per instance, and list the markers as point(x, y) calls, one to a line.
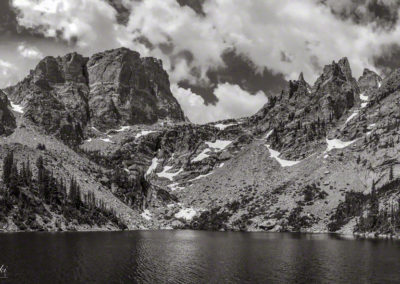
point(89, 24)
point(29, 51)
point(233, 102)
point(7, 71)
point(284, 36)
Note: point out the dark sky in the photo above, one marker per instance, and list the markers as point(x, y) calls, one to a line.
point(223, 51)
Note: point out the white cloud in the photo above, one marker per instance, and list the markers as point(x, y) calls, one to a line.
point(233, 102)
point(29, 51)
point(6, 69)
point(91, 23)
point(307, 34)
point(5, 64)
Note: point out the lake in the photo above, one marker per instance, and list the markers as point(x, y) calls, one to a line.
point(196, 257)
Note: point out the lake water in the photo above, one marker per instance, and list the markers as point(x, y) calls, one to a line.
point(196, 257)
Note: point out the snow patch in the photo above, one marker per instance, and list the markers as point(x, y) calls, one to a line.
point(123, 128)
point(202, 176)
point(269, 134)
point(187, 214)
point(153, 166)
point(354, 114)
point(166, 174)
point(144, 133)
point(337, 144)
point(363, 97)
point(175, 186)
point(221, 126)
point(219, 144)
point(146, 214)
point(95, 129)
point(364, 105)
point(89, 140)
point(284, 163)
point(17, 108)
point(221, 165)
point(202, 155)
point(107, 140)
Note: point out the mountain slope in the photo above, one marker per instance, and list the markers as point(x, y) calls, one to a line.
point(321, 157)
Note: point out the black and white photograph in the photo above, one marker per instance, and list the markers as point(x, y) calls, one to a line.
point(199, 141)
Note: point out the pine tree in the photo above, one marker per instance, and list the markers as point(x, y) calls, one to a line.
point(7, 166)
point(14, 181)
point(374, 202)
point(391, 172)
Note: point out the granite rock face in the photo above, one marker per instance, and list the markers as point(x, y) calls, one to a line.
point(369, 79)
point(7, 120)
point(126, 89)
point(65, 95)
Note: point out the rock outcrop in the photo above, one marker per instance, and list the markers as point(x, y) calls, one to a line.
point(65, 95)
point(126, 89)
point(7, 119)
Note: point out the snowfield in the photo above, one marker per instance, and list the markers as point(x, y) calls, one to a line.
point(166, 174)
point(187, 214)
point(284, 163)
point(337, 144)
point(219, 144)
point(203, 155)
point(17, 108)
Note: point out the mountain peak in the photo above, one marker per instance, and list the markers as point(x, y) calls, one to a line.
point(344, 65)
point(111, 88)
point(369, 79)
point(301, 77)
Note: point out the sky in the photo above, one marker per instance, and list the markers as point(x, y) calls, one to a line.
point(224, 57)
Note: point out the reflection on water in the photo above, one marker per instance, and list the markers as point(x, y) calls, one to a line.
point(196, 257)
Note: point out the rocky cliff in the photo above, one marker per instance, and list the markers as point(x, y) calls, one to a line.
point(7, 120)
point(317, 157)
point(66, 95)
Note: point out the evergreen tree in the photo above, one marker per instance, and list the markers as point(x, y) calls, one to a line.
point(14, 181)
point(7, 166)
point(391, 172)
